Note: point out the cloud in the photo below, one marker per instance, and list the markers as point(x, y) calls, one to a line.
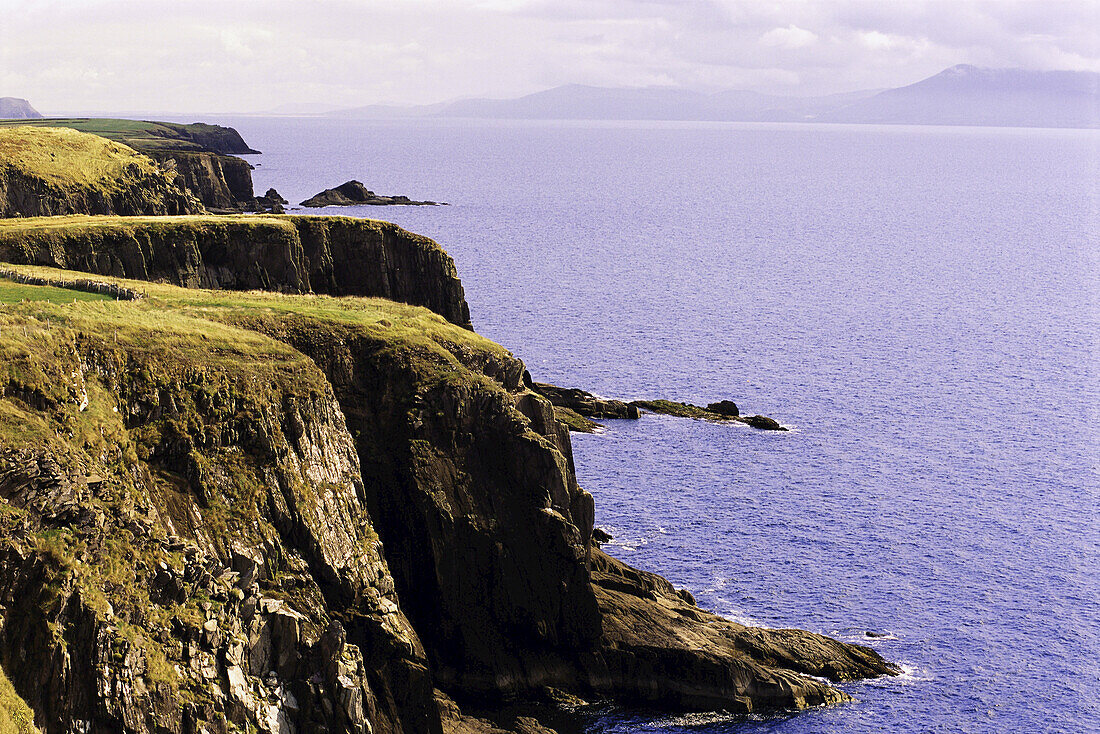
point(247, 55)
point(790, 37)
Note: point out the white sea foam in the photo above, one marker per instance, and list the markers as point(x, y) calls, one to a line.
point(910, 674)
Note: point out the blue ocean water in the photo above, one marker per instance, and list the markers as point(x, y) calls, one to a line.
point(921, 305)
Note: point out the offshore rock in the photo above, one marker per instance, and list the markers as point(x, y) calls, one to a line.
point(352, 193)
point(726, 412)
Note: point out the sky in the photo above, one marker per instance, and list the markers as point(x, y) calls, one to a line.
point(249, 56)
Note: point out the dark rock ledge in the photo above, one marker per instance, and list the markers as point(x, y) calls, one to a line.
point(575, 408)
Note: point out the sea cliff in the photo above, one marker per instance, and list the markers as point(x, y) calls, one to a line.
point(50, 171)
point(304, 513)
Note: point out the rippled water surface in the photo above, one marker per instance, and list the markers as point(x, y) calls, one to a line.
point(920, 304)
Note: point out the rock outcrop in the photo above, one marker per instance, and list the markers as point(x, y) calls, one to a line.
point(574, 407)
point(719, 412)
point(472, 488)
point(51, 171)
point(332, 255)
point(583, 403)
point(352, 193)
point(271, 202)
point(198, 556)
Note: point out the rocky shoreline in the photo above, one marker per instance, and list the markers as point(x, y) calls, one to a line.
point(575, 408)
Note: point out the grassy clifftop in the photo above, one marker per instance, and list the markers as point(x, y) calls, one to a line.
point(198, 315)
point(148, 136)
point(198, 156)
point(297, 254)
point(77, 225)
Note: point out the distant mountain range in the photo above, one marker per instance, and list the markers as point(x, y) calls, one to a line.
point(14, 108)
point(961, 95)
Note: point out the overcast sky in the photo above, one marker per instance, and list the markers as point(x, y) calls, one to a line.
point(245, 56)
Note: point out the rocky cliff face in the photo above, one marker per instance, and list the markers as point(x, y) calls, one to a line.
point(184, 552)
point(220, 182)
point(197, 158)
point(31, 196)
point(332, 255)
point(471, 484)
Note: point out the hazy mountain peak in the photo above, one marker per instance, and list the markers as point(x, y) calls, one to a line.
point(973, 95)
point(16, 108)
point(963, 94)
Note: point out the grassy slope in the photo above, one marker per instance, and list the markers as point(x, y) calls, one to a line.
point(138, 134)
point(70, 158)
point(16, 292)
point(193, 328)
point(200, 309)
point(15, 716)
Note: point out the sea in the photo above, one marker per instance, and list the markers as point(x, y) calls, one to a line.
point(920, 305)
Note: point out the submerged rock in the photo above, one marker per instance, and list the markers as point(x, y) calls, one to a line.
point(353, 193)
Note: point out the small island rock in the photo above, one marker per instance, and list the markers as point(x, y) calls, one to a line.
point(353, 193)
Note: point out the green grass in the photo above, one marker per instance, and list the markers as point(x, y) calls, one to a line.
point(16, 716)
point(193, 329)
point(141, 135)
point(12, 292)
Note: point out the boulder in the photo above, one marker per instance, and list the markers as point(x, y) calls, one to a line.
point(724, 407)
